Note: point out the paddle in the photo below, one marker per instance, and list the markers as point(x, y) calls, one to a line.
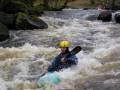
point(52, 77)
point(72, 52)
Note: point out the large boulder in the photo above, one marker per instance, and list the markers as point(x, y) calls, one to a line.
point(7, 19)
point(105, 16)
point(4, 34)
point(26, 22)
point(117, 17)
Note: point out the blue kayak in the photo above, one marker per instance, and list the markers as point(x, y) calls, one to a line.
point(48, 78)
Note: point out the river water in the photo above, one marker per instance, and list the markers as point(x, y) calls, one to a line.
point(28, 53)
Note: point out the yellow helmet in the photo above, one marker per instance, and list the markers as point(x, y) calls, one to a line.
point(64, 44)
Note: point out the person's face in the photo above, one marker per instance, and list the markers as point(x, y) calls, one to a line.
point(63, 49)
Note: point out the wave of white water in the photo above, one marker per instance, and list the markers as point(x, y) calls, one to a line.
point(100, 52)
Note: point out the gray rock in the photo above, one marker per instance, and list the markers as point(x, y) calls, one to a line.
point(117, 17)
point(105, 16)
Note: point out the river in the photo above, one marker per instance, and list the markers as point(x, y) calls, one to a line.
point(28, 53)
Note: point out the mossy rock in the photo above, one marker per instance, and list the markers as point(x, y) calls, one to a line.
point(26, 22)
point(19, 20)
point(19, 17)
point(7, 19)
point(15, 7)
point(4, 34)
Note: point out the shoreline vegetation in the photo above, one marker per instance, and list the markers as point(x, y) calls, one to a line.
point(80, 4)
point(23, 14)
point(112, 4)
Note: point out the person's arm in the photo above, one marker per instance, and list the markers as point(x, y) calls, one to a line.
point(72, 59)
point(54, 64)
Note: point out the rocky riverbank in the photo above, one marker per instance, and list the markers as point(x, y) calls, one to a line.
point(17, 15)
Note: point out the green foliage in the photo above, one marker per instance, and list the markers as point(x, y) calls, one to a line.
point(7, 19)
point(31, 6)
point(112, 3)
point(38, 9)
point(55, 4)
point(20, 16)
point(15, 6)
point(29, 3)
point(20, 20)
point(117, 3)
point(3, 29)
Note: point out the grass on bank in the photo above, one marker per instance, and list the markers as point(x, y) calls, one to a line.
point(87, 3)
point(80, 4)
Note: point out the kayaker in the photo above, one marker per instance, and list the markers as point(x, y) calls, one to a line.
point(60, 61)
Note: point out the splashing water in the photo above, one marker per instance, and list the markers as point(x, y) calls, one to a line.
point(30, 52)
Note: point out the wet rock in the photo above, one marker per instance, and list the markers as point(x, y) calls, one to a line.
point(105, 16)
point(4, 34)
point(25, 22)
point(117, 17)
point(86, 8)
point(22, 21)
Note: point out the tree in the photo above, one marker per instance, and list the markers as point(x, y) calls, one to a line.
point(92, 1)
point(55, 4)
point(110, 4)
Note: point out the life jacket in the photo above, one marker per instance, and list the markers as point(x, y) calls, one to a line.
point(56, 64)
